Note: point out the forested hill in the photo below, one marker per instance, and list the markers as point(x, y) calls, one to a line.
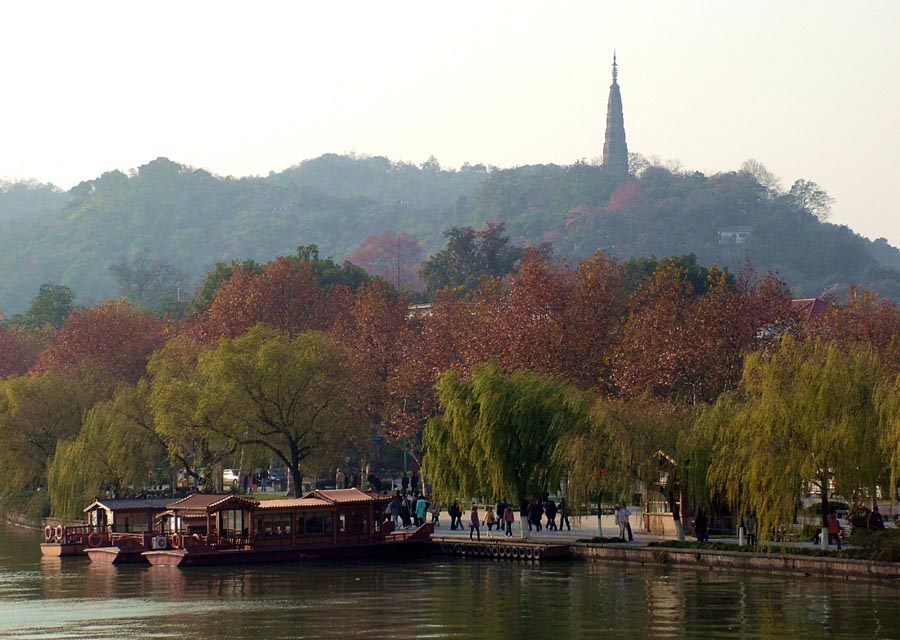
point(191, 219)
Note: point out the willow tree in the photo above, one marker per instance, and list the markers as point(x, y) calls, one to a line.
point(291, 398)
point(804, 414)
point(37, 412)
point(117, 448)
point(623, 442)
point(496, 434)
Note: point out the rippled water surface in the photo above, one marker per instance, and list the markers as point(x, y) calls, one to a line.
point(425, 598)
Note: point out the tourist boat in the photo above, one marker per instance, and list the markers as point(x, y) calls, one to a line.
point(64, 539)
point(341, 523)
point(119, 531)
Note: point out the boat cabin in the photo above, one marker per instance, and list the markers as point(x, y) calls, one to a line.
point(321, 517)
point(124, 516)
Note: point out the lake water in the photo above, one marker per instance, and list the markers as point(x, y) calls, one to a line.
point(424, 598)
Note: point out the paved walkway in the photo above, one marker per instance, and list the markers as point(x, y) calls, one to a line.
point(586, 527)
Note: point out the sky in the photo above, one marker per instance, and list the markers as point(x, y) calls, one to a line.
point(809, 89)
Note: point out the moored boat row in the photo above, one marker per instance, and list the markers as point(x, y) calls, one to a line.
point(205, 529)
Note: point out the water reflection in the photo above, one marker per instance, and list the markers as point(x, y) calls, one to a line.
point(438, 598)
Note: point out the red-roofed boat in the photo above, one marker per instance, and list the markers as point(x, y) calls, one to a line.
point(342, 523)
point(121, 530)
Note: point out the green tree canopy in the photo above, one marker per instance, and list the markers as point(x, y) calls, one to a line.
point(469, 256)
point(293, 398)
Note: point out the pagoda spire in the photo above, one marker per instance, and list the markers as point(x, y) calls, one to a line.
point(615, 150)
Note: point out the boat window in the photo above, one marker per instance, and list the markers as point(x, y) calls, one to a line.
point(314, 525)
point(274, 525)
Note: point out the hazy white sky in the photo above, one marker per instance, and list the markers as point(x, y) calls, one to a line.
point(810, 89)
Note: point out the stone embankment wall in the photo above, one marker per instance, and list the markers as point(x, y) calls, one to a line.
point(20, 520)
point(758, 562)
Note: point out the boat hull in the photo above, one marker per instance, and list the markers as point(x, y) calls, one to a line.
point(115, 555)
point(61, 549)
point(203, 555)
point(213, 557)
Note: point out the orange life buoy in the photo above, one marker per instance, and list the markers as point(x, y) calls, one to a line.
point(48, 533)
point(176, 541)
point(59, 533)
point(94, 539)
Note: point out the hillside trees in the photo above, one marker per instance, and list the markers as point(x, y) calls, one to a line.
point(151, 284)
point(51, 306)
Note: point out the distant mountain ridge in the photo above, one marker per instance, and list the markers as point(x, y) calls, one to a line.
point(192, 219)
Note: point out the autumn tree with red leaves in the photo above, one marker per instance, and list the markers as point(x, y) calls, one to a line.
point(372, 333)
point(114, 336)
point(680, 344)
point(863, 318)
point(285, 296)
point(21, 347)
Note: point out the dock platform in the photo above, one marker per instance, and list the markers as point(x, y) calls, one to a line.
point(498, 548)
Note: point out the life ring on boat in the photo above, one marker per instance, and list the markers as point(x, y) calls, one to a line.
point(495, 551)
point(538, 553)
point(176, 541)
point(48, 533)
point(58, 532)
point(94, 539)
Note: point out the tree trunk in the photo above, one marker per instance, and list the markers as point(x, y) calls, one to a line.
point(296, 487)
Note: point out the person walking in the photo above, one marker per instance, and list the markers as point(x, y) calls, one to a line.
point(536, 512)
point(404, 483)
point(501, 509)
point(489, 520)
point(564, 515)
point(701, 524)
point(509, 516)
point(474, 522)
point(750, 528)
point(421, 509)
point(395, 509)
point(436, 514)
point(551, 510)
point(620, 520)
point(523, 513)
point(834, 529)
point(455, 516)
point(405, 512)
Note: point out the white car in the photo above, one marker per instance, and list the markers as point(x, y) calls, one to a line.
point(231, 477)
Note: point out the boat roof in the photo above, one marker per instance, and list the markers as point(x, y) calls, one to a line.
point(293, 503)
point(199, 500)
point(320, 498)
point(126, 504)
point(344, 496)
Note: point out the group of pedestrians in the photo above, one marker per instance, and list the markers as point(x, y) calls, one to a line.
point(502, 517)
point(406, 512)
